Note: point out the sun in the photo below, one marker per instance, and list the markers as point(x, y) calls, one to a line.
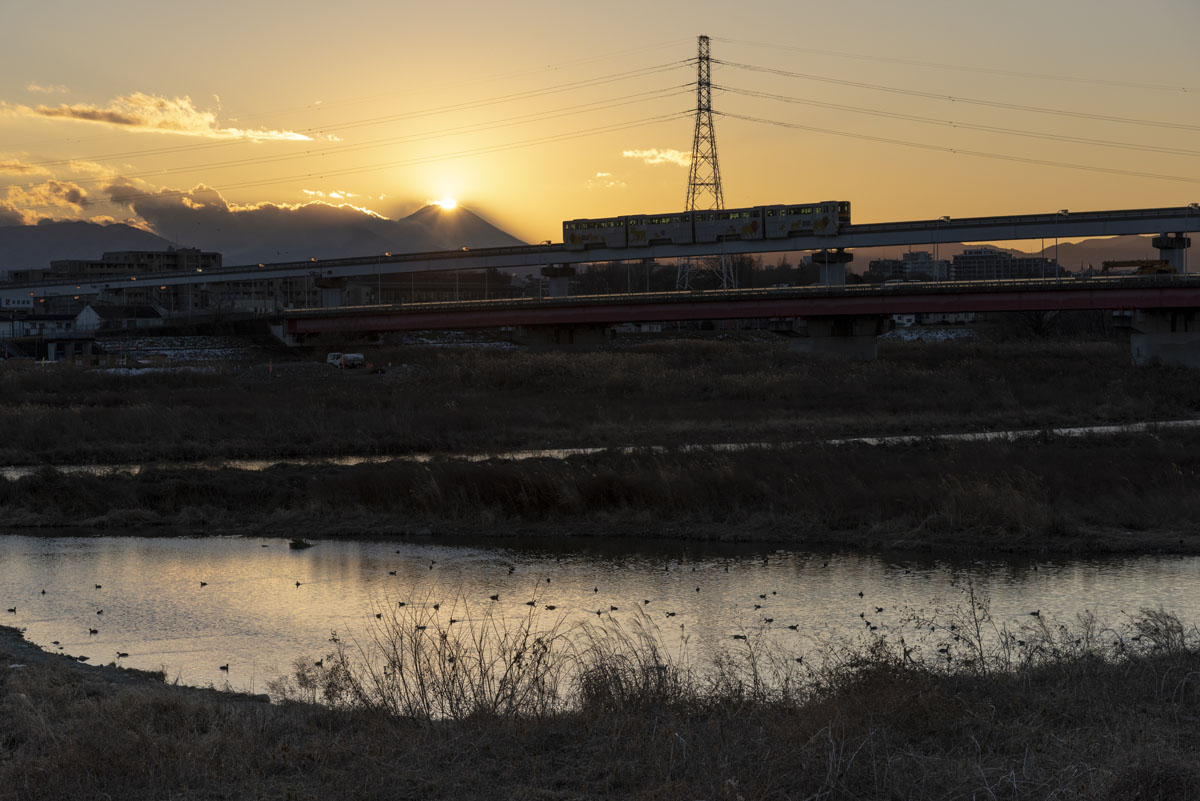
point(447, 203)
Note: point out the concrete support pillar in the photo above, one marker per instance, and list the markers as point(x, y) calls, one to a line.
point(559, 276)
point(561, 335)
point(51, 351)
point(1166, 336)
point(1172, 248)
point(832, 266)
point(848, 338)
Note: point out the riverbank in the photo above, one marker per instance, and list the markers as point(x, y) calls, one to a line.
point(1086, 713)
point(666, 393)
point(1118, 493)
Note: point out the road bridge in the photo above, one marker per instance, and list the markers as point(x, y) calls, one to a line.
point(841, 320)
point(1063, 224)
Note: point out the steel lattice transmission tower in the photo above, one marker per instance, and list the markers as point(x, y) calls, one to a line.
point(704, 179)
point(704, 190)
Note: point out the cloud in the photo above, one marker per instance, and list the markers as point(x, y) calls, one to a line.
point(14, 166)
point(27, 204)
point(657, 156)
point(335, 195)
point(262, 232)
point(151, 113)
point(604, 180)
point(56, 89)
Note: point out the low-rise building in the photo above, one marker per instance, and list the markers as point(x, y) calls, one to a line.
point(100, 317)
point(916, 265)
point(990, 263)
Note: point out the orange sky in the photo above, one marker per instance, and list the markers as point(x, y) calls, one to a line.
point(533, 113)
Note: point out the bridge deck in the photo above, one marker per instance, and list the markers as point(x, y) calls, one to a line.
point(1146, 292)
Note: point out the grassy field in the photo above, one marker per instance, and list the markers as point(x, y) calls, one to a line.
point(1118, 493)
point(1132, 492)
point(665, 393)
point(1073, 712)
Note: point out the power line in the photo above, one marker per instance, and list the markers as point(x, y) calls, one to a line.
point(964, 68)
point(554, 89)
point(965, 125)
point(961, 151)
point(320, 105)
point(956, 99)
point(349, 148)
point(641, 123)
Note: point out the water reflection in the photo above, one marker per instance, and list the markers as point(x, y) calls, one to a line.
point(190, 605)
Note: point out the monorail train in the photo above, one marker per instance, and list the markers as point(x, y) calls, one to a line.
point(687, 227)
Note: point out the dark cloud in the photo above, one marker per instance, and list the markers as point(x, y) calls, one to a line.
point(89, 113)
point(10, 216)
point(72, 194)
point(201, 217)
point(144, 112)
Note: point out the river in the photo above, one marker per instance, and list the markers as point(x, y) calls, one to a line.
point(191, 605)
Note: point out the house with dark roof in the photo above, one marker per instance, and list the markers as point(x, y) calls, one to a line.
point(101, 317)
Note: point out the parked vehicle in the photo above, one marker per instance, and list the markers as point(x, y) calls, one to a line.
point(345, 360)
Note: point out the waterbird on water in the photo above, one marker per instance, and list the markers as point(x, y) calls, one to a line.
point(13, 610)
point(551, 607)
point(379, 615)
point(297, 584)
point(495, 597)
point(224, 667)
point(97, 586)
point(121, 654)
point(391, 572)
point(92, 631)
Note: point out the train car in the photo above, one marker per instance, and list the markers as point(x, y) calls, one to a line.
point(655, 229)
point(716, 226)
point(607, 232)
point(821, 219)
point(843, 212)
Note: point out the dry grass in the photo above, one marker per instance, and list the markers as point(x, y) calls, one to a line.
point(665, 393)
point(1135, 492)
point(1081, 712)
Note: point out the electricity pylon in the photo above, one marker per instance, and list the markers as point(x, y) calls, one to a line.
point(704, 191)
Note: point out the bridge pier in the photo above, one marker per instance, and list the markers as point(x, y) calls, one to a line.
point(847, 338)
point(557, 336)
point(1173, 248)
point(1166, 336)
point(558, 279)
point(832, 266)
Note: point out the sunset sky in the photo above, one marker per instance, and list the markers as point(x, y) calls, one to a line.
point(531, 113)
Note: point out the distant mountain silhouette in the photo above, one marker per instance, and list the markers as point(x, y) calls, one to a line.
point(1070, 256)
point(269, 234)
point(35, 246)
point(459, 227)
point(324, 232)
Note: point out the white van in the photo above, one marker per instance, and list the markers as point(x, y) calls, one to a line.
point(345, 360)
